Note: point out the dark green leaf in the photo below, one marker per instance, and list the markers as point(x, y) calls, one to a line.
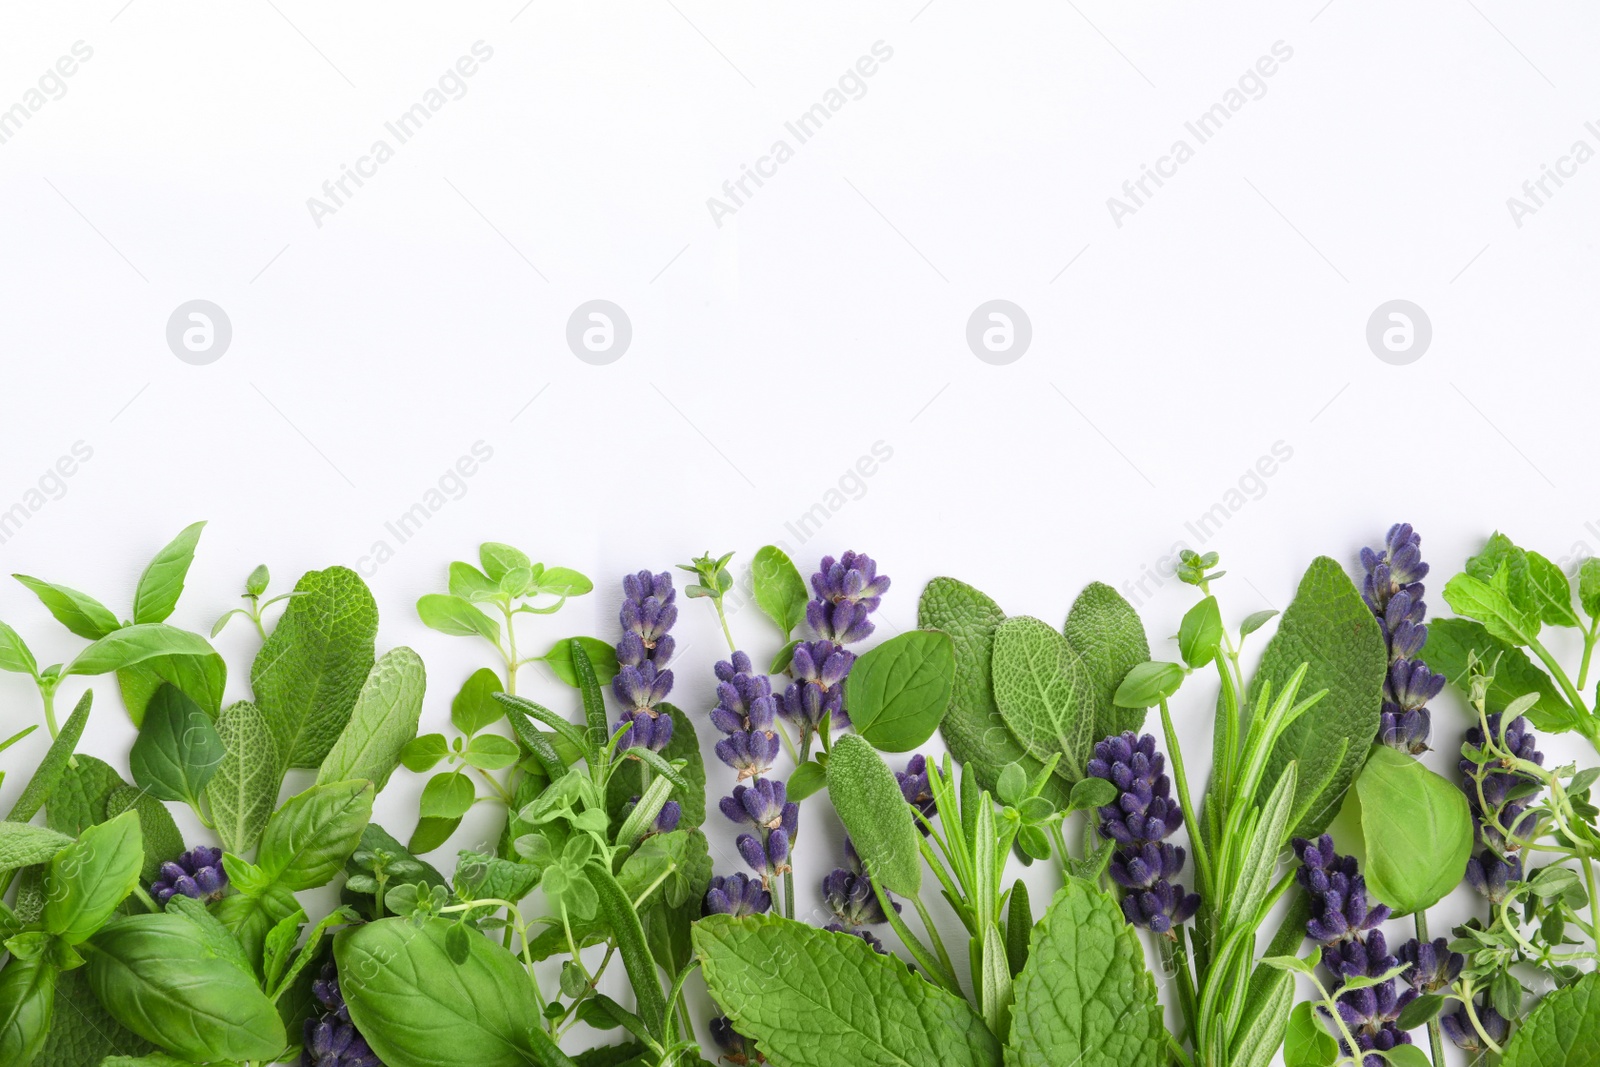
point(22, 845)
point(27, 1005)
point(1200, 634)
point(1421, 1011)
point(309, 839)
point(779, 589)
point(36, 794)
point(1019, 927)
point(617, 909)
point(162, 581)
point(162, 840)
point(83, 1034)
point(807, 779)
point(899, 691)
point(431, 832)
point(178, 749)
point(79, 799)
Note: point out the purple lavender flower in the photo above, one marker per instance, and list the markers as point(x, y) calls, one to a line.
point(768, 858)
point(763, 804)
point(917, 790)
point(1372, 1013)
point(1457, 1026)
point(643, 680)
point(1491, 875)
point(1393, 591)
point(1433, 965)
point(737, 895)
point(331, 1039)
point(744, 712)
point(736, 1049)
point(647, 728)
point(847, 591)
point(1339, 908)
point(819, 669)
point(197, 873)
point(1504, 822)
point(1143, 816)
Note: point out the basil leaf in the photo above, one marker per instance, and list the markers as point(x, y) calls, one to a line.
point(202, 677)
point(1305, 1042)
point(161, 979)
point(1105, 632)
point(309, 839)
point(382, 722)
point(1417, 828)
point(15, 655)
point(162, 841)
point(178, 656)
point(1563, 1031)
point(456, 617)
point(1148, 684)
point(474, 707)
point(309, 672)
point(27, 1003)
point(973, 729)
point(244, 791)
point(875, 814)
point(1200, 633)
point(1043, 695)
point(22, 845)
point(178, 749)
point(1331, 630)
point(602, 657)
point(54, 765)
point(1255, 621)
point(779, 590)
point(482, 1015)
point(899, 691)
point(78, 612)
point(88, 880)
point(1450, 642)
point(162, 581)
point(1085, 997)
point(811, 998)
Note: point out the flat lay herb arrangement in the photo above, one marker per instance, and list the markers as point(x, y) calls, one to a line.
point(1270, 903)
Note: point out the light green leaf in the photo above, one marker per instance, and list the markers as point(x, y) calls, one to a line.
point(22, 845)
point(899, 691)
point(1259, 1035)
point(1589, 586)
point(15, 655)
point(27, 1006)
point(79, 612)
point(382, 722)
point(875, 813)
point(89, 879)
point(1563, 1031)
point(973, 727)
point(1492, 606)
point(1329, 628)
point(1417, 828)
point(474, 707)
point(202, 677)
point(244, 791)
point(491, 752)
point(308, 840)
point(1148, 684)
point(1255, 621)
point(779, 590)
point(602, 657)
point(1447, 652)
point(471, 584)
point(422, 754)
point(1044, 696)
point(811, 998)
point(1551, 591)
point(1305, 1042)
point(1200, 634)
point(456, 617)
point(563, 581)
point(497, 559)
point(448, 796)
point(481, 1016)
point(162, 581)
point(136, 644)
point(309, 672)
point(1105, 632)
point(1085, 997)
point(178, 749)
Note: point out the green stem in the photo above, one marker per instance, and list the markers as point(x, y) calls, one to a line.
point(1560, 676)
point(1589, 636)
point(933, 934)
point(1175, 962)
point(788, 894)
point(925, 959)
point(1435, 1042)
point(49, 694)
point(511, 656)
point(722, 618)
point(1202, 858)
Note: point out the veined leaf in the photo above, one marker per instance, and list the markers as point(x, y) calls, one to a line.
point(244, 792)
point(1044, 696)
point(1450, 644)
point(899, 691)
point(1105, 632)
point(162, 581)
point(382, 722)
point(1418, 831)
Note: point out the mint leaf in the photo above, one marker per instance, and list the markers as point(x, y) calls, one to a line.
point(1589, 587)
point(1493, 606)
point(1043, 695)
point(898, 691)
point(22, 845)
point(162, 581)
point(1563, 1031)
point(1105, 632)
point(311, 669)
point(382, 723)
point(1085, 996)
point(1330, 628)
point(811, 998)
point(875, 813)
point(1551, 591)
point(779, 589)
point(244, 791)
point(1450, 641)
point(1417, 828)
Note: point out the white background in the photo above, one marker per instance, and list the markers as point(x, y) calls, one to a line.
point(826, 314)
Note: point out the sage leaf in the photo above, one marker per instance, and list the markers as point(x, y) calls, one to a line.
point(162, 581)
point(309, 672)
point(1043, 695)
point(79, 799)
point(1563, 1031)
point(159, 978)
point(973, 728)
point(1085, 996)
point(1418, 831)
point(875, 814)
point(309, 839)
point(382, 721)
point(779, 590)
point(178, 749)
point(78, 612)
point(899, 691)
point(1331, 630)
point(244, 791)
point(482, 1015)
point(811, 998)
point(22, 845)
point(1105, 632)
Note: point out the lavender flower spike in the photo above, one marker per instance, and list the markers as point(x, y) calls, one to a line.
point(847, 591)
point(1393, 591)
point(643, 680)
point(197, 873)
point(1144, 815)
point(331, 1039)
